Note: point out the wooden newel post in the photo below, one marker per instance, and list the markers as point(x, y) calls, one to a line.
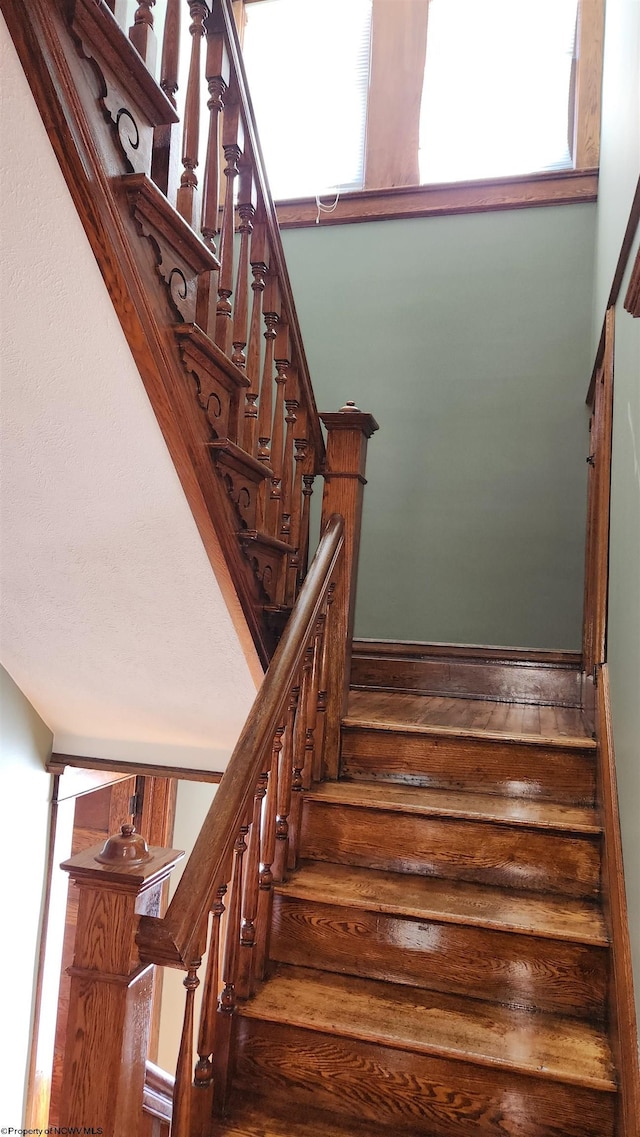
point(110, 997)
point(348, 432)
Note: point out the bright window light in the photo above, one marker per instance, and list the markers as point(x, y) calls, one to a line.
point(307, 64)
point(495, 100)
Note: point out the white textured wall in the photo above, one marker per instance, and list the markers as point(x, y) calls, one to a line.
point(24, 822)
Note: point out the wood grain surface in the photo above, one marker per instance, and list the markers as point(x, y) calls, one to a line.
point(512, 856)
point(428, 1094)
point(553, 917)
point(440, 669)
point(506, 967)
point(554, 725)
point(445, 758)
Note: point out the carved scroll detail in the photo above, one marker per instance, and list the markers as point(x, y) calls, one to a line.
point(182, 284)
point(267, 557)
point(180, 255)
point(135, 139)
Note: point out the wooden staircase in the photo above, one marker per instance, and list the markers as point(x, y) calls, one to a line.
point(411, 904)
point(439, 961)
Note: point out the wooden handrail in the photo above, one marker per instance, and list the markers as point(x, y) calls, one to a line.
point(177, 939)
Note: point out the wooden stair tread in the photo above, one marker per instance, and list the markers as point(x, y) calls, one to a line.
point(428, 802)
point(257, 1118)
point(427, 1022)
point(451, 901)
point(467, 718)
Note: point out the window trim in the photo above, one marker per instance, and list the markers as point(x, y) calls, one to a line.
point(563, 187)
point(391, 103)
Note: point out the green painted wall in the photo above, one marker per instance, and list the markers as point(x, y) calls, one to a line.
point(619, 171)
point(24, 823)
point(469, 338)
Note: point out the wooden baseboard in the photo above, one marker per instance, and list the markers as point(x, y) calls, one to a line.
point(422, 650)
point(550, 678)
point(622, 1014)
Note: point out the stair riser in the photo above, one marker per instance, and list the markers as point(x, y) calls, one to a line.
point(458, 849)
point(478, 765)
point(504, 967)
point(411, 1092)
point(481, 678)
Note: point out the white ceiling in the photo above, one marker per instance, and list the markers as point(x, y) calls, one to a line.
point(113, 622)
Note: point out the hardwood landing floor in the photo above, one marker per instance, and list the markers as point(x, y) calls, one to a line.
point(475, 716)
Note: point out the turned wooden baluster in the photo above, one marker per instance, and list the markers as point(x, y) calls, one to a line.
point(170, 50)
point(142, 35)
point(310, 761)
point(301, 445)
point(259, 270)
point(291, 406)
point(187, 192)
point(282, 362)
point(217, 73)
point(232, 141)
point(203, 1080)
point(250, 897)
point(271, 313)
point(228, 997)
point(318, 769)
point(165, 158)
point(299, 757)
point(246, 213)
point(267, 857)
point(181, 1120)
point(285, 779)
point(308, 479)
point(217, 76)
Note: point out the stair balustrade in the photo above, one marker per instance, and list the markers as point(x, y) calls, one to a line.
point(247, 298)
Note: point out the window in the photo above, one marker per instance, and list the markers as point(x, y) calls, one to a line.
point(383, 95)
point(495, 99)
point(310, 106)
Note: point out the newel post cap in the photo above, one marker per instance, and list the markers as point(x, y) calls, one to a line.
point(350, 417)
point(124, 860)
point(124, 848)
